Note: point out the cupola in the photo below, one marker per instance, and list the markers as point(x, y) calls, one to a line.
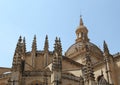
point(82, 32)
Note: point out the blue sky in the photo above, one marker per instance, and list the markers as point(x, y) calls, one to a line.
point(57, 18)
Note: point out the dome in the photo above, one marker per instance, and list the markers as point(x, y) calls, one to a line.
point(79, 48)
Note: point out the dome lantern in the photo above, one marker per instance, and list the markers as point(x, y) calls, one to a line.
point(82, 32)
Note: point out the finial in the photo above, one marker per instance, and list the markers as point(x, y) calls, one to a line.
point(46, 37)
point(56, 38)
point(34, 40)
point(81, 21)
point(18, 46)
point(24, 45)
point(24, 40)
point(34, 44)
point(20, 39)
point(106, 50)
point(57, 46)
point(34, 37)
point(46, 45)
point(59, 40)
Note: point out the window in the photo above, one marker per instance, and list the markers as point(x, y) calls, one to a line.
point(79, 35)
point(102, 80)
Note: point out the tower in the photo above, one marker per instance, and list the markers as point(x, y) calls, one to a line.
point(88, 72)
point(57, 64)
point(109, 65)
point(46, 51)
point(33, 53)
point(18, 65)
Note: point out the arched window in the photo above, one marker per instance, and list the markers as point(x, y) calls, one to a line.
point(79, 35)
point(101, 80)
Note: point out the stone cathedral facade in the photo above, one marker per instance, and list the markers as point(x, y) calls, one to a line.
point(82, 64)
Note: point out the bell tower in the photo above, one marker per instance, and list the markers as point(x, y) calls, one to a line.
point(82, 32)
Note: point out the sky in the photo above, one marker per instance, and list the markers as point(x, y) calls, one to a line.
point(57, 18)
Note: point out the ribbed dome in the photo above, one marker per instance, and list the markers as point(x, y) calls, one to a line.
point(79, 48)
point(82, 40)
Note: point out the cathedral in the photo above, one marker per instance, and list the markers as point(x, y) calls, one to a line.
point(82, 64)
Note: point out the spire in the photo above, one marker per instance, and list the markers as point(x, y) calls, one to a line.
point(88, 68)
point(56, 69)
point(33, 53)
point(19, 46)
point(106, 50)
point(107, 63)
point(16, 65)
point(46, 45)
point(58, 47)
point(34, 45)
point(81, 21)
point(24, 45)
point(46, 51)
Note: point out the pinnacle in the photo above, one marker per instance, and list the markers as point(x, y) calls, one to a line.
point(20, 39)
point(81, 21)
point(106, 50)
point(46, 37)
point(34, 44)
point(46, 45)
point(24, 39)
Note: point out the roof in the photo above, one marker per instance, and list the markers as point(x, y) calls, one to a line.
point(79, 47)
point(4, 69)
point(72, 61)
point(116, 56)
